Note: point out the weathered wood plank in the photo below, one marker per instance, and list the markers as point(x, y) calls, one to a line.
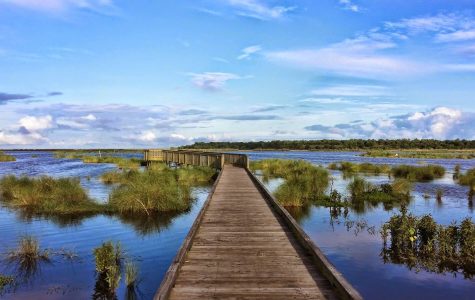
point(242, 249)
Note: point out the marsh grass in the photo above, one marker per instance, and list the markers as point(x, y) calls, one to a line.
point(365, 168)
point(28, 256)
point(91, 158)
point(420, 243)
point(429, 154)
point(304, 183)
point(46, 194)
point(418, 173)
point(131, 275)
point(109, 262)
point(362, 191)
point(6, 158)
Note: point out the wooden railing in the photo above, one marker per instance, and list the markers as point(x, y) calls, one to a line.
point(196, 158)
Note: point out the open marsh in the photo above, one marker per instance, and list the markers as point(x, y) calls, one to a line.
point(352, 242)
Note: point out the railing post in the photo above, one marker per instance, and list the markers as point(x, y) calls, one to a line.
point(222, 161)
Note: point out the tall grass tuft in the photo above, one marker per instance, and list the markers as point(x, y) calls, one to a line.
point(418, 173)
point(131, 275)
point(304, 182)
point(396, 192)
point(46, 194)
point(109, 259)
point(28, 255)
point(150, 191)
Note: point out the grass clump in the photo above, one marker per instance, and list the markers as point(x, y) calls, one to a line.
point(424, 154)
point(27, 256)
point(365, 168)
point(150, 192)
point(109, 257)
point(418, 173)
point(131, 275)
point(5, 283)
point(46, 195)
point(420, 243)
point(362, 190)
point(88, 158)
point(6, 158)
point(304, 182)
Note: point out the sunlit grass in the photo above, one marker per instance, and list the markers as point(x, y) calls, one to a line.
point(418, 173)
point(366, 168)
point(433, 154)
point(46, 194)
point(27, 256)
point(304, 182)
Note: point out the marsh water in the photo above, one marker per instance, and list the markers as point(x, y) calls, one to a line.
point(351, 242)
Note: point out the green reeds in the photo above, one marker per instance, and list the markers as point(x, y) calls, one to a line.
point(365, 168)
point(88, 158)
point(416, 173)
point(46, 195)
point(109, 257)
point(396, 192)
point(5, 283)
point(131, 275)
point(304, 182)
point(419, 242)
point(149, 192)
point(423, 154)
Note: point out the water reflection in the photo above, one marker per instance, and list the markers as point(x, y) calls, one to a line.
point(148, 224)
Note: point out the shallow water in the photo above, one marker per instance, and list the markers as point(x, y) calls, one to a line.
point(153, 244)
point(150, 243)
point(357, 253)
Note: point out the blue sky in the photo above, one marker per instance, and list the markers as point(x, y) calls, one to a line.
point(112, 73)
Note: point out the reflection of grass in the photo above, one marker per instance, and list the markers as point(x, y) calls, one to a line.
point(304, 182)
point(442, 154)
point(5, 283)
point(420, 243)
point(5, 157)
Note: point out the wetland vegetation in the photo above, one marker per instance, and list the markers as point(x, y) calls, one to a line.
point(421, 244)
point(6, 157)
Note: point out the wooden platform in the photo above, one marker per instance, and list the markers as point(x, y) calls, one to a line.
point(240, 248)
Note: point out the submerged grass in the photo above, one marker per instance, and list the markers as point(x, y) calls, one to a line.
point(27, 256)
point(304, 182)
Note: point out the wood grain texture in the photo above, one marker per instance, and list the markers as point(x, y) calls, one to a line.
point(243, 250)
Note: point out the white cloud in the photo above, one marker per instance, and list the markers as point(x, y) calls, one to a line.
point(248, 51)
point(351, 90)
point(32, 123)
point(438, 123)
point(89, 117)
point(212, 81)
point(349, 5)
point(258, 9)
point(20, 138)
point(456, 36)
point(147, 136)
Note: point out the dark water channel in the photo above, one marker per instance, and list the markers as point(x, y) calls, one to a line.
point(153, 244)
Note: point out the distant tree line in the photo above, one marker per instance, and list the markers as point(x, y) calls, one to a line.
point(354, 144)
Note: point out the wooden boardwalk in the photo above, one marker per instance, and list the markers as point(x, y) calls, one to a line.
point(240, 248)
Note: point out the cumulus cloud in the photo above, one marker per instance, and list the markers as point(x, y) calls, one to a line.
point(29, 131)
point(258, 9)
point(212, 81)
point(438, 123)
point(247, 52)
point(32, 123)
